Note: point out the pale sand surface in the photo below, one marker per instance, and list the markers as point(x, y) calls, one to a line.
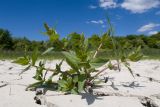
point(14, 94)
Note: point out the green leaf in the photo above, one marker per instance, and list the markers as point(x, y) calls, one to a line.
point(123, 58)
point(104, 38)
point(36, 84)
point(22, 61)
point(48, 50)
point(62, 83)
point(84, 64)
point(75, 79)
point(81, 77)
point(74, 91)
point(98, 62)
point(72, 60)
point(39, 73)
point(37, 77)
point(86, 44)
point(136, 55)
point(54, 37)
point(71, 71)
point(51, 33)
point(81, 85)
point(58, 67)
point(34, 56)
point(110, 65)
point(81, 82)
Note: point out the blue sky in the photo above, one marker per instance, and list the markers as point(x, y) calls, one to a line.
point(26, 17)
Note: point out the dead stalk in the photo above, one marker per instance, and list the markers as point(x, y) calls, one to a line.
point(97, 50)
point(102, 71)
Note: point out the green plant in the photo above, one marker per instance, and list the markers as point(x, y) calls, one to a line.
point(82, 61)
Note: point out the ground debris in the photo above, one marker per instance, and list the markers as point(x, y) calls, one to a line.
point(41, 100)
point(148, 102)
point(145, 101)
point(3, 85)
point(10, 68)
point(40, 91)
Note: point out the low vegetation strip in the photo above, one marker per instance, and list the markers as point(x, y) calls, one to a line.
point(149, 53)
point(18, 45)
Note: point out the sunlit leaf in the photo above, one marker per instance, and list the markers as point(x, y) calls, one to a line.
point(48, 50)
point(81, 82)
point(51, 33)
point(74, 90)
point(36, 84)
point(75, 79)
point(34, 56)
point(135, 55)
point(22, 61)
point(110, 65)
point(98, 62)
point(72, 60)
point(62, 83)
point(81, 85)
point(39, 73)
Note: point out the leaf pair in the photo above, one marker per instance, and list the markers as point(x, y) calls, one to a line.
point(98, 62)
point(22, 60)
point(72, 60)
point(73, 85)
point(51, 33)
point(136, 55)
point(26, 60)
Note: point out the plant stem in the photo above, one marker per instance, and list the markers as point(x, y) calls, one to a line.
point(45, 75)
point(95, 54)
point(53, 70)
point(114, 43)
point(101, 71)
point(47, 69)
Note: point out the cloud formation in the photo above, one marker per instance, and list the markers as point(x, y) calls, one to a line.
point(153, 32)
point(96, 21)
point(148, 27)
point(140, 6)
point(107, 4)
point(134, 6)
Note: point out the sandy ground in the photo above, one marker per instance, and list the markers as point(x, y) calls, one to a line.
point(14, 95)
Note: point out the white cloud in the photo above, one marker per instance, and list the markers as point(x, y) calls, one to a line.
point(92, 7)
point(95, 22)
point(158, 13)
point(103, 26)
point(153, 32)
point(118, 17)
point(140, 6)
point(135, 6)
point(148, 27)
point(107, 4)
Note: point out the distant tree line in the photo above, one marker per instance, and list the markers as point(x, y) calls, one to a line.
point(10, 43)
